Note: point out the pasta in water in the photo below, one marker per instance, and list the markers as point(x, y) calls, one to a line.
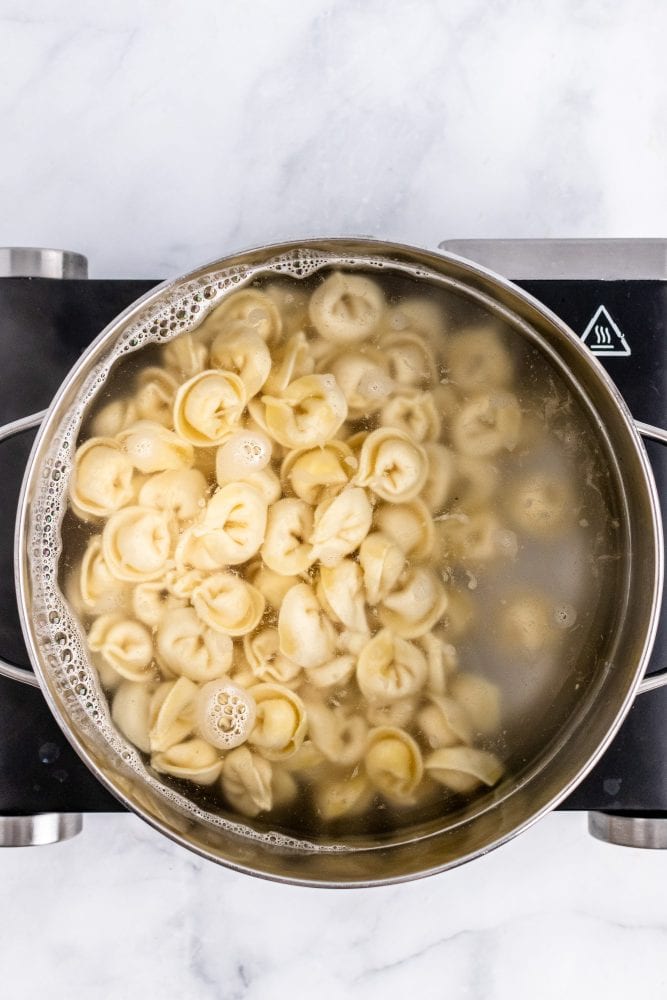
point(187, 647)
point(208, 407)
point(340, 525)
point(244, 353)
point(286, 548)
point(307, 635)
point(392, 464)
point(310, 549)
point(101, 482)
point(346, 308)
point(229, 532)
point(317, 474)
point(309, 412)
point(125, 646)
point(137, 542)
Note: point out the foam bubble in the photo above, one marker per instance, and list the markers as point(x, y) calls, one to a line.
point(375, 383)
point(564, 616)
point(244, 452)
point(225, 714)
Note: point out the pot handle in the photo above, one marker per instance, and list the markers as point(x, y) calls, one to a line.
point(9, 431)
point(660, 679)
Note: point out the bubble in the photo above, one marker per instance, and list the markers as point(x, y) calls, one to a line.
point(375, 383)
point(244, 452)
point(225, 714)
point(564, 616)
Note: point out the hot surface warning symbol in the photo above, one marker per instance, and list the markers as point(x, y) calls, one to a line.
point(602, 335)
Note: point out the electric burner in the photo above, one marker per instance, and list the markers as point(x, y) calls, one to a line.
point(613, 293)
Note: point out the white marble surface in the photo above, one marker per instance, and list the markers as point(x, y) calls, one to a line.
point(153, 136)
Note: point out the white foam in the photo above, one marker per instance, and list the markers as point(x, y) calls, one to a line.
point(225, 714)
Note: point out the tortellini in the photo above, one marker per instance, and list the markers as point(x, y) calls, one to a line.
point(393, 465)
point(340, 525)
point(308, 413)
point(364, 381)
point(272, 585)
point(171, 714)
point(280, 725)
point(186, 646)
point(480, 699)
point(130, 711)
point(262, 651)
point(346, 308)
point(114, 417)
point(442, 660)
point(477, 359)
point(438, 485)
point(410, 526)
point(154, 448)
point(307, 635)
point(228, 604)
point(417, 603)
point(444, 722)
point(390, 668)
point(179, 491)
point(476, 538)
point(244, 353)
point(152, 600)
point(193, 760)
point(382, 562)
point(394, 763)
point(337, 733)
point(137, 542)
point(414, 413)
point(348, 796)
point(282, 520)
point(341, 592)
point(125, 645)
point(527, 624)
point(291, 362)
point(316, 474)
point(155, 395)
point(208, 406)
point(462, 768)
point(100, 591)
point(244, 457)
point(336, 673)
point(421, 318)
point(410, 357)
point(185, 356)
point(246, 781)
point(229, 532)
point(486, 424)
point(102, 478)
point(250, 307)
point(540, 505)
point(286, 548)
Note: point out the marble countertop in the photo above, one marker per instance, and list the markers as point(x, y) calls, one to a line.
point(154, 136)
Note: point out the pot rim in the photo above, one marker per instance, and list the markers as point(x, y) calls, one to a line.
point(370, 246)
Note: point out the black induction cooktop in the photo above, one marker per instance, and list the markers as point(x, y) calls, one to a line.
point(611, 293)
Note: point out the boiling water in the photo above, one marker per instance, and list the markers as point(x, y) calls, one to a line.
point(574, 572)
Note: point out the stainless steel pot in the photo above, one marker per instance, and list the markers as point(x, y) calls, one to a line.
point(505, 811)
